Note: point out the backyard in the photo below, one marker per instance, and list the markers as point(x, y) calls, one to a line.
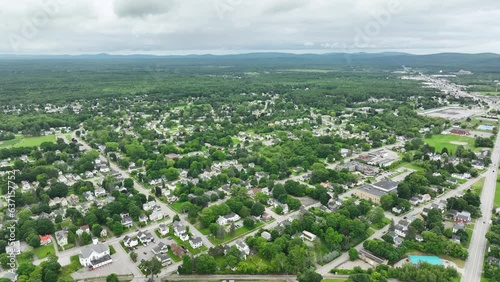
point(44, 251)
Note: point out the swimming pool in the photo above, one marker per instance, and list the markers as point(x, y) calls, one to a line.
point(485, 127)
point(429, 259)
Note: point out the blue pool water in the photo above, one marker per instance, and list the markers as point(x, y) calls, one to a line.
point(429, 259)
point(486, 127)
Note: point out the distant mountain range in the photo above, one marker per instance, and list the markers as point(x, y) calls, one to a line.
point(448, 61)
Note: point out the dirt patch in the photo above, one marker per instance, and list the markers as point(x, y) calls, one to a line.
point(459, 143)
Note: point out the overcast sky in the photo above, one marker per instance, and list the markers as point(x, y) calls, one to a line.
point(236, 26)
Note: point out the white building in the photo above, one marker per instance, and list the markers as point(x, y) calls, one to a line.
point(196, 242)
point(130, 242)
point(232, 217)
point(96, 255)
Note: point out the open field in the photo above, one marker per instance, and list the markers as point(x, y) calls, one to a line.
point(478, 186)
point(21, 141)
point(449, 141)
point(497, 193)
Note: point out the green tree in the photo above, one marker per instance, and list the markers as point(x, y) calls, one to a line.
point(133, 256)
point(353, 254)
point(187, 265)
point(257, 209)
point(376, 216)
point(205, 264)
point(309, 276)
point(112, 278)
point(151, 267)
point(117, 228)
point(4, 261)
point(128, 183)
point(171, 174)
point(232, 229)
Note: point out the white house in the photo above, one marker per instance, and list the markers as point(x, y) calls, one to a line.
point(143, 218)
point(243, 247)
point(89, 196)
point(397, 210)
point(179, 228)
point(83, 228)
point(127, 221)
point(56, 201)
point(99, 192)
point(62, 237)
point(130, 242)
point(163, 258)
point(232, 217)
point(96, 255)
point(184, 237)
point(156, 215)
point(163, 229)
point(196, 242)
point(308, 235)
point(149, 205)
point(160, 249)
point(145, 237)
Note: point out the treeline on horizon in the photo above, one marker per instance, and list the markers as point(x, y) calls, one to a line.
point(347, 78)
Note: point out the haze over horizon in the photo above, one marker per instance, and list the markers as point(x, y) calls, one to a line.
point(218, 27)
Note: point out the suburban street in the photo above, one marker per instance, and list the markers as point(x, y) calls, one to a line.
point(164, 207)
point(474, 264)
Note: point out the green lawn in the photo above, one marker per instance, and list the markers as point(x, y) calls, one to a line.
point(238, 233)
point(176, 206)
point(497, 192)
point(172, 256)
point(478, 186)
point(21, 141)
point(235, 140)
point(44, 251)
point(333, 280)
point(204, 231)
point(67, 270)
point(440, 141)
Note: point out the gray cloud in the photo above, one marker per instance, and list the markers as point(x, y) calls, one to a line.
point(141, 8)
point(228, 26)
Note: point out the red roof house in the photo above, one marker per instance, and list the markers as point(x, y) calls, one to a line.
point(45, 240)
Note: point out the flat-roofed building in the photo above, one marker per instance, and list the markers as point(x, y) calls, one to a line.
point(375, 191)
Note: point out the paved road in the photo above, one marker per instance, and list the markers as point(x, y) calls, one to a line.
point(474, 263)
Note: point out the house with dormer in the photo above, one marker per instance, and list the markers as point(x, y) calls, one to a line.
point(232, 217)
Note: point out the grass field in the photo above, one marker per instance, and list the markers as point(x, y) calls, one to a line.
point(333, 280)
point(497, 192)
point(44, 251)
point(21, 141)
point(478, 186)
point(441, 141)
